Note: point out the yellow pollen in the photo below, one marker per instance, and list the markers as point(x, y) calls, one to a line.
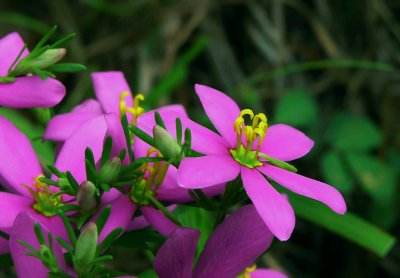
point(257, 129)
point(246, 273)
point(38, 183)
point(136, 110)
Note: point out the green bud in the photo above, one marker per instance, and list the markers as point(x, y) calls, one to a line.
point(85, 250)
point(45, 60)
point(87, 197)
point(166, 144)
point(110, 171)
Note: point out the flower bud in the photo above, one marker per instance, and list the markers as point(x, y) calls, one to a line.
point(87, 197)
point(85, 250)
point(166, 144)
point(110, 170)
point(43, 61)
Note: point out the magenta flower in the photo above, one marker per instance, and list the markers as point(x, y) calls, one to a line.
point(242, 149)
point(19, 173)
point(114, 97)
point(25, 91)
point(234, 245)
point(27, 266)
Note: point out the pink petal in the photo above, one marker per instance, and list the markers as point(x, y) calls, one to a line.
point(177, 108)
point(273, 208)
point(199, 172)
point(108, 86)
point(19, 163)
point(203, 140)
point(10, 206)
point(116, 132)
point(286, 143)
point(310, 188)
point(158, 220)
point(221, 110)
point(122, 210)
point(31, 91)
point(62, 126)
point(176, 255)
point(27, 266)
point(267, 273)
point(234, 245)
point(10, 47)
point(72, 155)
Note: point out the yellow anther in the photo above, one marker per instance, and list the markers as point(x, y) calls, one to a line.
point(151, 151)
point(257, 118)
point(136, 110)
point(150, 178)
point(246, 273)
point(246, 112)
point(38, 183)
point(161, 173)
point(249, 132)
point(237, 126)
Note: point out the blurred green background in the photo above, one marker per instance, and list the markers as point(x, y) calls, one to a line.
point(329, 68)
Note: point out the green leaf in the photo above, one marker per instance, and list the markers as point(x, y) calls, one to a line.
point(196, 218)
point(34, 132)
point(348, 225)
point(140, 239)
point(150, 273)
point(66, 67)
point(297, 108)
point(376, 178)
point(347, 132)
point(335, 172)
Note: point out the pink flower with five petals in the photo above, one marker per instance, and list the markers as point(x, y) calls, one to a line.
point(241, 149)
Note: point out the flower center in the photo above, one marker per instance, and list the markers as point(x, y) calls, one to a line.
point(45, 202)
point(247, 135)
point(153, 175)
point(136, 110)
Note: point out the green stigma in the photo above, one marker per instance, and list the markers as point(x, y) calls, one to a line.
point(245, 157)
point(140, 192)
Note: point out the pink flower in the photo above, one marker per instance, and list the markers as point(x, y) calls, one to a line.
point(19, 173)
point(25, 91)
point(239, 150)
point(234, 245)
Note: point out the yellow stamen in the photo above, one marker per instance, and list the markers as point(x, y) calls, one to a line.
point(246, 273)
point(136, 110)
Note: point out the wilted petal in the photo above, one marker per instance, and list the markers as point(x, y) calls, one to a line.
point(158, 220)
point(122, 210)
point(10, 206)
point(234, 245)
point(273, 208)
point(31, 91)
point(175, 257)
point(310, 188)
point(27, 266)
point(10, 46)
point(221, 110)
point(286, 143)
point(62, 126)
point(19, 163)
point(199, 172)
point(72, 155)
point(108, 86)
point(267, 273)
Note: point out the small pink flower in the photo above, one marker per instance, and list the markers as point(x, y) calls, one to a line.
point(237, 152)
point(25, 91)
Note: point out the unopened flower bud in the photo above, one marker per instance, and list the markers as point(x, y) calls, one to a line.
point(110, 170)
point(166, 144)
point(87, 197)
point(45, 60)
point(85, 250)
